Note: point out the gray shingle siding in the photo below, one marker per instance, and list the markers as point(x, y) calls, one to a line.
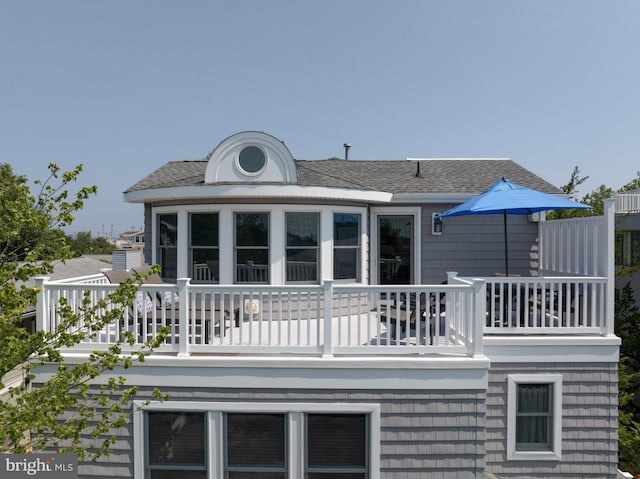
point(434, 434)
point(589, 422)
point(453, 250)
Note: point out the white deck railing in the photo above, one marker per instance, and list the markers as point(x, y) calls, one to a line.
point(546, 305)
point(628, 202)
point(331, 319)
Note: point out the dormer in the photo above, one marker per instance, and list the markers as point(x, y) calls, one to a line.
point(251, 157)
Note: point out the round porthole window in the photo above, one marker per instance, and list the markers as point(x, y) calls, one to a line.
point(252, 160)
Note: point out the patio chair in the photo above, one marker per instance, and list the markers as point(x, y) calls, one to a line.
point(168, 301)
point(164, 308)
point(403, 317)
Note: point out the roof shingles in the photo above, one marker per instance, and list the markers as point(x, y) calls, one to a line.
point(437, 176)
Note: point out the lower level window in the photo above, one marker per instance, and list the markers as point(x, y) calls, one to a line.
point(337, 446)
point(175, 445)
point(255, 446)
point(534, 417)
point(228, 441)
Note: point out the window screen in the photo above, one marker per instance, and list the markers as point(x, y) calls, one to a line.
point(337, 446)
point(176, 445)
point(255, 446)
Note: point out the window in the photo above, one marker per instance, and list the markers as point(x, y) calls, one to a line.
point(252, 160)
point(204, 248)
point(175, 445)
point(302, 247)
point(336, 446)
point(252, 247)
point(534, 417)
point(255, 446)
point(257, 440)
point(346, 247)
point(627, 248)
point(167, 245)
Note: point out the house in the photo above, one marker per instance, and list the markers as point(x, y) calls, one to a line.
point(324, 323)
point(628, 240)
point(131, 239)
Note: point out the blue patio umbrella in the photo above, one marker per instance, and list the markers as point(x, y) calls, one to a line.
point(508, 198)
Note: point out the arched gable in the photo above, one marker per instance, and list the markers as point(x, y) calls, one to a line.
point(251, 156)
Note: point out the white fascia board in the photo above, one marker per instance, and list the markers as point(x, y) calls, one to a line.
point(457, 159)
point(430, 198)
point(463, 373)
point(541, 349)
point(275, 191)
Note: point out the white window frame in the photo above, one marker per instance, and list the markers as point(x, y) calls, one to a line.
point(317, 247)
point(359, 248)
point(416, 212)
point(555, 451)
point(215, 429)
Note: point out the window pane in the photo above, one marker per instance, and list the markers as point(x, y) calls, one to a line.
point(346, 264)
point(533, 398)
point(302, 229)
point(168, 259)
point(336, 440)
point(177, 474)
point(302, 264)
point(252, 265)
point(168, 230)
point(532, 430)
point(635, 248)
point(337, 475)
point(252, 229)
point(533, 416)
point(256, 440)
point(176, 438)
point(257, 475)
point(204, 229)
point(206, 265)
point(395, 249)
point(346, 229)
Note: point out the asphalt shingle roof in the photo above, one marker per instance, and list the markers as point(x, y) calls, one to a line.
point(437, 176)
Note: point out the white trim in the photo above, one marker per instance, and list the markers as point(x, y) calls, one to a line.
point(457, 159)
point(430, 198)
point(295, 412)
point(364, 243)
point(272, 372)
point(550, 349)
point(223, 163)
point(256, 192)
point(244, 172)
point(555, 453)
point(416, 212)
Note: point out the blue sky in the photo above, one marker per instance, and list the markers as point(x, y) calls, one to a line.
point(125, 86)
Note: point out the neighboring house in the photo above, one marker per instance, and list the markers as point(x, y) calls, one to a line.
point(324, 324)
point(131, 239)
point(628, 240)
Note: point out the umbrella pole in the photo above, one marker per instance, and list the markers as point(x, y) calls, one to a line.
point(506, 247)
